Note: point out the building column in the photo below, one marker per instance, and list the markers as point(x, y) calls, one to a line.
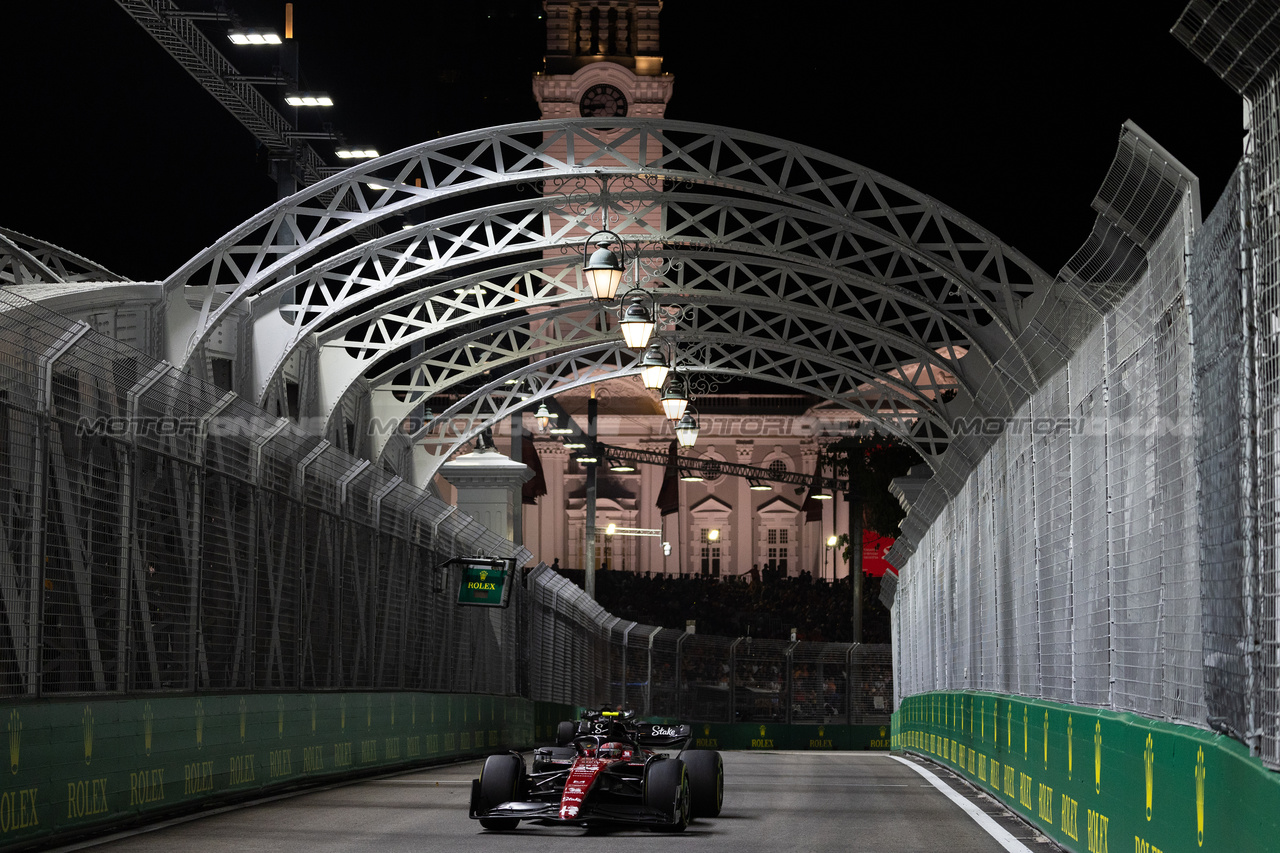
point(489, 488)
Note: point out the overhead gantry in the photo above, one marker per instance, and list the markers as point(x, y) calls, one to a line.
point(449, 272)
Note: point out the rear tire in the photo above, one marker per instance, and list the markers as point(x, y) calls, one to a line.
point(566, 732)
point(499, 783)
point(706, 781)
point(666, 787)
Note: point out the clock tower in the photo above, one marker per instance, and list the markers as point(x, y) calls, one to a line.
point(602, 60)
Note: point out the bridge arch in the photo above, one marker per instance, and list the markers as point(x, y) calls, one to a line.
point(773, 254)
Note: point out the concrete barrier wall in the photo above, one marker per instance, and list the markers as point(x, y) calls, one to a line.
point(77, 766)
point(1096, 780)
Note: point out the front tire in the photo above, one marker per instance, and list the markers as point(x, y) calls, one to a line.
point(566, 732)
point(666, 787)
point(499, 783)
point(706, 781)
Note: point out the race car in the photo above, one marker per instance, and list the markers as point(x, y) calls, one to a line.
point(612, 776)
point(596, 722)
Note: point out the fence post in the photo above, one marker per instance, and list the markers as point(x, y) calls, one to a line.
point(40, 487)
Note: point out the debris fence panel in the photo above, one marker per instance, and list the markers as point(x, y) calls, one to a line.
point(192, 542)
point(1134, 516)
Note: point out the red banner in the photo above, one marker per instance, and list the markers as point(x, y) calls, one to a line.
point(874, 547)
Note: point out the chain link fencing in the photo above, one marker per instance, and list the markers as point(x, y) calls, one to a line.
point(1142, 520)
point(157, 534)
point(1067, 566)
point(580, 654)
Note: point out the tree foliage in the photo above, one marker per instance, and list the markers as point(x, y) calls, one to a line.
point(871, 462)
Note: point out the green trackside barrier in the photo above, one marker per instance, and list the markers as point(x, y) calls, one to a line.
point(830, 736)
point(78, 766)
point(547, 715)
point(1099, 781)
point(745, 736)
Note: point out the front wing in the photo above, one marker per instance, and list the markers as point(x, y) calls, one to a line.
point(591, 812)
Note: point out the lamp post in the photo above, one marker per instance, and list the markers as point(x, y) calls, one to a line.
point(589, 579)
point(832, 541)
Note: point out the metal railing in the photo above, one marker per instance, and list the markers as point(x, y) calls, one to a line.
point(581, 654)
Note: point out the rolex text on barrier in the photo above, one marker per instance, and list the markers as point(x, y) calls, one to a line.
point(1095, 780)
point(86, 765)
point(484, 581)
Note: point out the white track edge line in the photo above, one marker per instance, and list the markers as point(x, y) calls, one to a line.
point(995, 830)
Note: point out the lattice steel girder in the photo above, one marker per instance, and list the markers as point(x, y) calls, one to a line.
point(456, 350)
point(181, 38)
point(875, 347)
point(573, 323)
point(26, 260)
point(744, 225)
point(787, 174)
point(497, 400)
point(694, 272)
point(834, 380)
point(927, 302)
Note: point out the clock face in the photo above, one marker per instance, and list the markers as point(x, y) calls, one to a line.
point(603, 101)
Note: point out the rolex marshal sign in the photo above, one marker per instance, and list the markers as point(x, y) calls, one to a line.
point(484, 581)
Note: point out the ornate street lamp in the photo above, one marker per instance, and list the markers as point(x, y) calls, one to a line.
point(687, 429)
point(637, 318)
point(603, 269)
point(654, 366)
point(543, 417)
point(674, 397)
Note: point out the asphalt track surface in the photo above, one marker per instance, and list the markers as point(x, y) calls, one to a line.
point(775, 802)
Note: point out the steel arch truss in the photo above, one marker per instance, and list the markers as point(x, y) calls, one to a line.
point(26, 260)
point(784, 263)
point(907, 405)
point(517, 390)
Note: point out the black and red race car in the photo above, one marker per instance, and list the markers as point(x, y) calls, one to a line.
point(611, 772)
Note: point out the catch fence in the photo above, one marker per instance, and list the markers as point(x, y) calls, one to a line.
point(582, 654)
point(159, 535)
point(1125, 557)
point(1067, 567)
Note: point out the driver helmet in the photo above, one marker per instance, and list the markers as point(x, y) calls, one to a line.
point(614, 749)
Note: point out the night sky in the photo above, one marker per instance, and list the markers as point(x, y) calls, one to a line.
point(1001, 111)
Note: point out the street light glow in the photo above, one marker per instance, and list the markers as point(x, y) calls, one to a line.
point(252, 35)
point(308, 99)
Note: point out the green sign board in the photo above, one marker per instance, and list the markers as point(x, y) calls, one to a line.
point(484, 582)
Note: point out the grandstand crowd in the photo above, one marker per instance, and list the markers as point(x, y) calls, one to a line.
point(763, 605)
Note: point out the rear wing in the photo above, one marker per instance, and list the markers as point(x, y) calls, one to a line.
point(659, 734)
